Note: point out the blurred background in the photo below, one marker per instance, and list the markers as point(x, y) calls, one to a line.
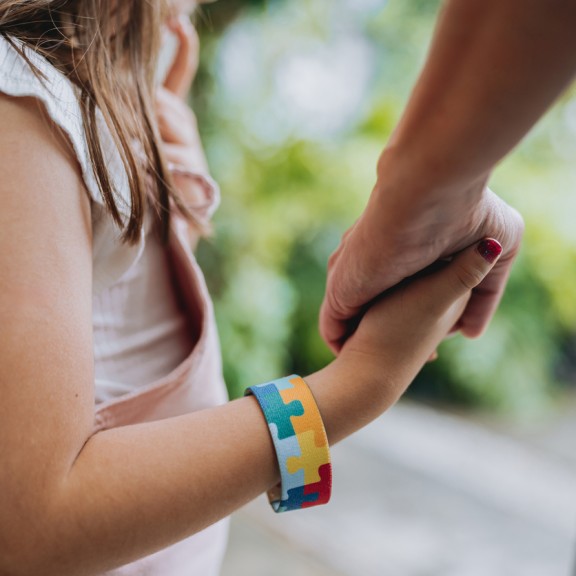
point(474, 472)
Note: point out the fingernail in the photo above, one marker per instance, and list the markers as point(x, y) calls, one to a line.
point(490, 250)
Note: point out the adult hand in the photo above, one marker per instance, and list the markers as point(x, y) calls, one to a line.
point(404, 230)
point(492, 70)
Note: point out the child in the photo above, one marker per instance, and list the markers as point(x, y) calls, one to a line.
point(119, 452)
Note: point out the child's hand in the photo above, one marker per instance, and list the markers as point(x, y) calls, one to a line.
point(176, 121)
point(402, 329)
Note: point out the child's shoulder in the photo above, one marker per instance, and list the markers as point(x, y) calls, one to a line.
point(25, 73)
point(22, 70)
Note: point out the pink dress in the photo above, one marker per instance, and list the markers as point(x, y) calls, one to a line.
point(194, 384)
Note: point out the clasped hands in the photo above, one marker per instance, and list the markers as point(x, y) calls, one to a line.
point(406, 227)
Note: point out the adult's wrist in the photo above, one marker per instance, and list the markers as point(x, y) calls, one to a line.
point(415, 203)
point(411, 174)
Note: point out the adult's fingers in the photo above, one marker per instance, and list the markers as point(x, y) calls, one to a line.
point(185, 64)
point(348, 287)
point(336, 318)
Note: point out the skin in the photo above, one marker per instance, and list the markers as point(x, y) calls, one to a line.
point(67, 494)
point(493, 69)
point(176, 120)
point(80, 493)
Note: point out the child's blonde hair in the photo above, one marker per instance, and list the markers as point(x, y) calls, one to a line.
point(110, 54)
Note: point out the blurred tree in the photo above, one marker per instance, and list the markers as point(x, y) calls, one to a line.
point(295, 102)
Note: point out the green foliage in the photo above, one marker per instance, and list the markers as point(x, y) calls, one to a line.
point(295, 101)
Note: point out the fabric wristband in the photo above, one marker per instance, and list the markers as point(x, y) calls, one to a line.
point(300, 442)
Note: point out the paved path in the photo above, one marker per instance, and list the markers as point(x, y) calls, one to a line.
point(423, 493)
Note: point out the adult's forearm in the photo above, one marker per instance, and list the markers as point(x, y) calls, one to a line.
point(493, 69)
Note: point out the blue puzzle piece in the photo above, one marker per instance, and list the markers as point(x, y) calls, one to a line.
point(287, 448)
point(296, 498)
point(276, 411)
point(284, 383)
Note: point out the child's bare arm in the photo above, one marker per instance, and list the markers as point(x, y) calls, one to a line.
point(73, 503)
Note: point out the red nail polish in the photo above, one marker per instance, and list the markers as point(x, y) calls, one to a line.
point(490, 250)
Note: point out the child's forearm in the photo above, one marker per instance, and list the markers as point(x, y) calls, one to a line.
point(135, 489)
point(139, 488)
point(355, 389)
